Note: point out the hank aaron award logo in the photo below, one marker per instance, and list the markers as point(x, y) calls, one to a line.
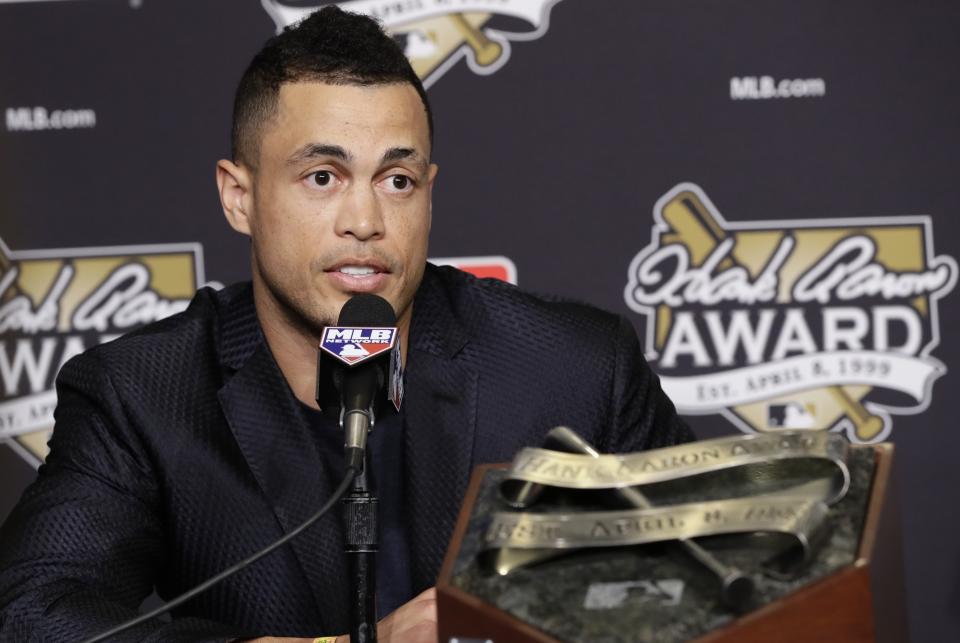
point(54, 304)
point(815, 323)
point(436, 34)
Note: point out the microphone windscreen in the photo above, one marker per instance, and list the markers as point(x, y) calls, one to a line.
point(367, 309)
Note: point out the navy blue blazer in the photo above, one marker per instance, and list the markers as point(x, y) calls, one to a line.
point(180, 449)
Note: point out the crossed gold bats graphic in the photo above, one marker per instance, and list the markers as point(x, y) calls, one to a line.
point(485, 51)
point(694, 219)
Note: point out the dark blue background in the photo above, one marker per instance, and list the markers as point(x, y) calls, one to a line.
point(555, 161)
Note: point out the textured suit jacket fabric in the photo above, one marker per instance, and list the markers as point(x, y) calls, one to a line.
point(179, 450)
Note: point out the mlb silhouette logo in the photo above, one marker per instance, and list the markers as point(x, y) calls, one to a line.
point(352, 345)
point(792, 415)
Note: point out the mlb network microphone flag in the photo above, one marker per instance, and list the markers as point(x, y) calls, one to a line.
point(353, 345)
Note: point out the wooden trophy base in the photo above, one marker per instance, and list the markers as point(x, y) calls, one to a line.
point(858, 602)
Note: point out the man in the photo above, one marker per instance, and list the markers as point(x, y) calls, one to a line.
point(184, 447)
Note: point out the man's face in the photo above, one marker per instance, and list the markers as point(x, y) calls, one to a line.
point(340, 200)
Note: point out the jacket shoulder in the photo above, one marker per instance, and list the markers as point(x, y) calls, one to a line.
point(492, 306)
point(182, 343)
point(494, 310)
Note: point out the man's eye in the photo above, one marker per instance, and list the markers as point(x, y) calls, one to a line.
point(400, 182)
point(323, 178)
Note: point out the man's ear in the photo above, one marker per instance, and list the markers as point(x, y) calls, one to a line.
point(235, 184)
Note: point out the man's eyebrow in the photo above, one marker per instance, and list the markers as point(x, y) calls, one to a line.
point(313, 151)
point(402, 154)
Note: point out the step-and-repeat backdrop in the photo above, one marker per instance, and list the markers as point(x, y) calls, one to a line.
point(768, 190)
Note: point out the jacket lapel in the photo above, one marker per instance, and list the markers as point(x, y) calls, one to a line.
point(273, 433)
point(441, 416)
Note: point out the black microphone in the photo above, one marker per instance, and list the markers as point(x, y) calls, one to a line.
point(360, 356)
point(358, 349)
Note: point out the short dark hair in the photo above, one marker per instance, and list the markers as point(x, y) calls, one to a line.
point(330, 46)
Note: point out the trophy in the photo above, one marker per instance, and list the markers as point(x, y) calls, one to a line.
point(748, 538)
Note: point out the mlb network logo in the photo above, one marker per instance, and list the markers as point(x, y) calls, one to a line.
point(353, 345)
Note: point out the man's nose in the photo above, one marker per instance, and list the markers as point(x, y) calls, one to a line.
point(361, 216)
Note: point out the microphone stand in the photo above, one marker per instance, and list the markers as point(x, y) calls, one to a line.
point(360, 530)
